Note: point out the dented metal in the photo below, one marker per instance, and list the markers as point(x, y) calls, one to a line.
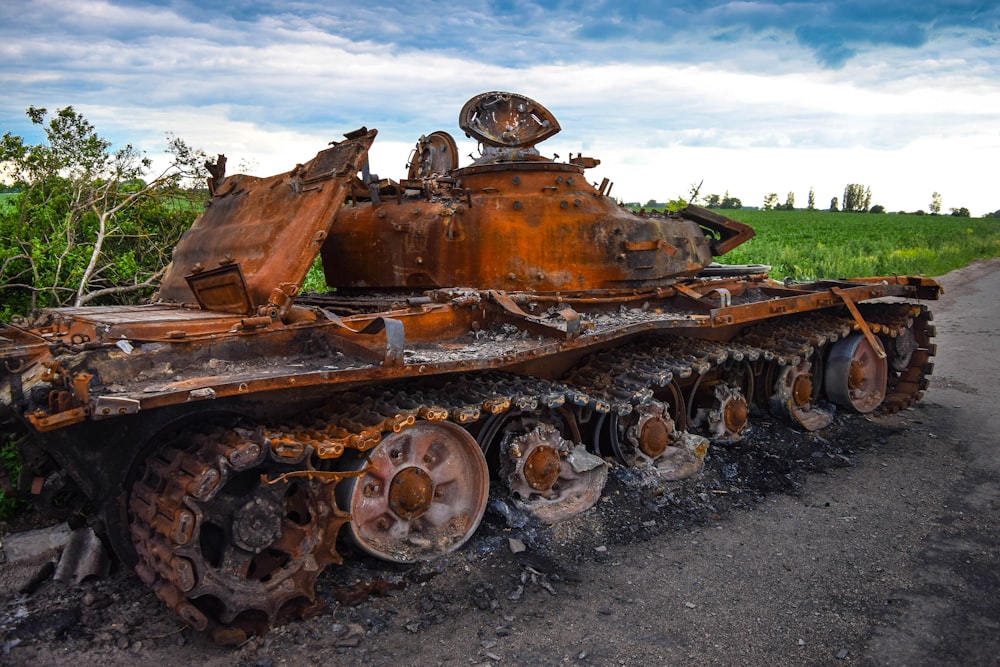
point(507, 313)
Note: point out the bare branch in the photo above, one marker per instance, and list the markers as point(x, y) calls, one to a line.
point(121, 289)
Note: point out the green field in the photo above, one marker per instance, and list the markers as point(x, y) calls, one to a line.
point(806, 245)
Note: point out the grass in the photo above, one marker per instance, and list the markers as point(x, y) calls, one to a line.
point(807, 245)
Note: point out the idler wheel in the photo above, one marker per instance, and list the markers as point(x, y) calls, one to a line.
point(856, 374)
point(422, 493)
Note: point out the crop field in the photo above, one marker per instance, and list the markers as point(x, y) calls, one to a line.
point(807, 245)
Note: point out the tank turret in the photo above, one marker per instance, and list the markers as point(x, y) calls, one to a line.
point(512, 220)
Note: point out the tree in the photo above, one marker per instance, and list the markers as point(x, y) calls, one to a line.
point(960, 212)
point(770, 201)
point(790, 202)
point(877, 208)
point(89, 221)
point(833, 204)
point(693, 191)
point(857, 197)
point(713, 201)
point(731, 202)
point(935, 205)
point(811, 205)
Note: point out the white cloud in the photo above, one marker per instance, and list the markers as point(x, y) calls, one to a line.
point(750, 112)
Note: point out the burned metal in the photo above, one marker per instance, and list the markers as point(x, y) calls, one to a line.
point(504, 324)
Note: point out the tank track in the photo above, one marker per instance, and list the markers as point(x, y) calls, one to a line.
point(907, 383)
point(629, 376)
point(232, 526)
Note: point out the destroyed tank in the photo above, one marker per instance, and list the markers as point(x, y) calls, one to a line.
point(501, 328)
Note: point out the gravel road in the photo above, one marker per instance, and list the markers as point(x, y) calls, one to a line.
point(875, 542)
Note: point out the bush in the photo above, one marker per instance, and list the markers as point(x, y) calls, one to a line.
point(12, 465)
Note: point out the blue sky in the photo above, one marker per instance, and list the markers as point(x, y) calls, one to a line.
point(749, 97)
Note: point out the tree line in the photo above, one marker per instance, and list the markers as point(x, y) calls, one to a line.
point(857, 198)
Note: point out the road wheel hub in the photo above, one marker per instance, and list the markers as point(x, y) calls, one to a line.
point(410, 493)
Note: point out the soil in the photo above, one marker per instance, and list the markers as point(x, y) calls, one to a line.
point(873, 542)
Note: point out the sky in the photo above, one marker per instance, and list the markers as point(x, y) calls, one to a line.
point(749, 98)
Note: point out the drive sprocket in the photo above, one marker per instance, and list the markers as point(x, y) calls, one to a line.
point(227, 537)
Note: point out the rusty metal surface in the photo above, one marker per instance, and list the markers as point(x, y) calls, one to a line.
point(538, 226)
point(507, 119)
point(271, 228)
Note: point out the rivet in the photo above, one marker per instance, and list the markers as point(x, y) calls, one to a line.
point(517, 206)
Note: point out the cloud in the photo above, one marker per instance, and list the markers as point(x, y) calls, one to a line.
point(645, 86)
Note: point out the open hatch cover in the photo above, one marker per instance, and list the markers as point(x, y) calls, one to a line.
point(257, 233)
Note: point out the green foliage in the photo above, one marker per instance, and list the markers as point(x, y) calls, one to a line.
point(315, 280)
point(729, 203)
point(722, 201)
point(808, 245)
point(10, 461)
point(789, 204)
point(935, 205)
point(857, 198)
point(86, 222)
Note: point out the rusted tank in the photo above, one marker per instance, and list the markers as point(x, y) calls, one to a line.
point(504, 327)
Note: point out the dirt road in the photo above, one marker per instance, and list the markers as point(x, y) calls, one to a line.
point(876, 542)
